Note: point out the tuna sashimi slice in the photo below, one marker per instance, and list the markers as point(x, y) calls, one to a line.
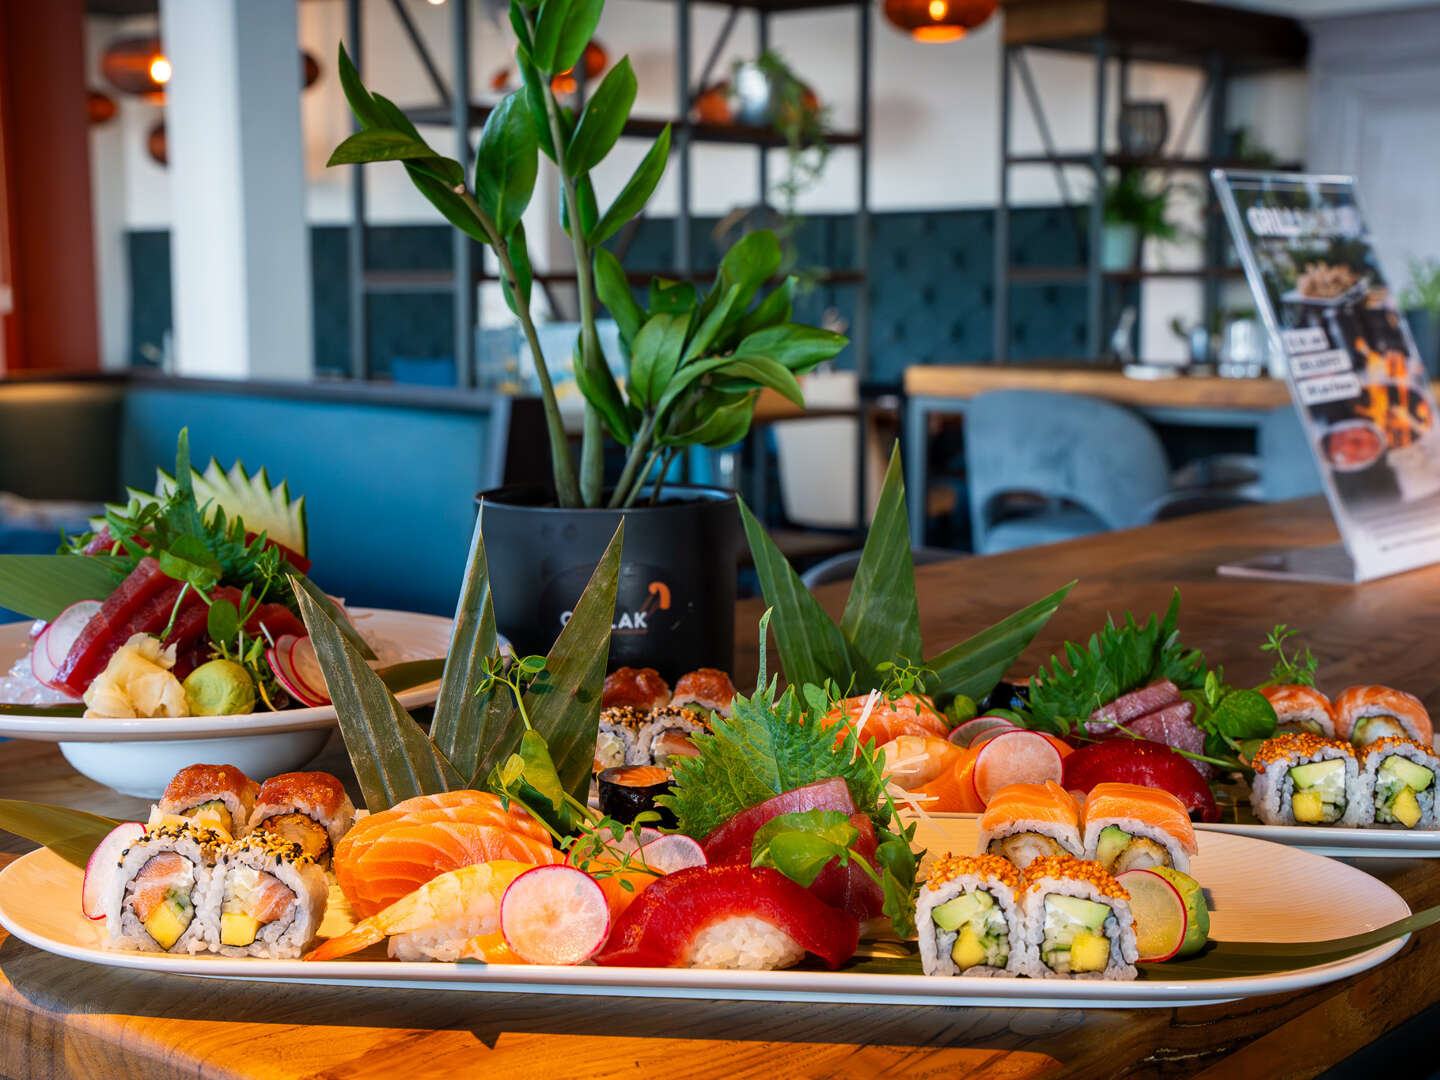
point(1130, 706)
point(660, 927)
point(105, 632)
point(731, 841)
point(1174, 726)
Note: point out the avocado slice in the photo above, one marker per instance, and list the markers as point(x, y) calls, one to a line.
point(1112, 842)
point(954, 914)
point(1197, 912)
point(1319, 773)
point(1404, 771)
point(1087, 913)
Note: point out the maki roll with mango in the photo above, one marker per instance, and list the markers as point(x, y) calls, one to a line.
point(1308, 780)
point(969, 918)
point(1078, 923)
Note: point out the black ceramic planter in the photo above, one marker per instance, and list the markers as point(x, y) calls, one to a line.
point(675, 605)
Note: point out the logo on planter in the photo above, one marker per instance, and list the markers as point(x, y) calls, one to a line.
point(644, 601)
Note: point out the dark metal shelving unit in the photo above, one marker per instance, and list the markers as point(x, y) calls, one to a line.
point(465, 116)
point(1221, 41)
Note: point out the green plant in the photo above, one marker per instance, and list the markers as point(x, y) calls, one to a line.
point(695, 362)
point(1423, 292)
point(1130, 200)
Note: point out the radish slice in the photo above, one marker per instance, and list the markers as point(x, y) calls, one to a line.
point(554, 915)
point(306, 665)
point(985, 736)
point(40, 665)
point(1160, 919)
point(967, 732)
point(66, 628)
point(627, 843)
point(671, 853)
point(1016, 757)
point(100, 867)
point(285, 675)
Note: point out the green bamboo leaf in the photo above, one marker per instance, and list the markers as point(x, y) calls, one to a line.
point(361, 103)
point(796, 346)
point(7, 709)
point(549, 25)
point(506, 162)
point(408, 675)
point(812, 648)
point(974, 666)
point(636, 192)
point(706, 333)
point(613, 288)
point(393, 757)
point(604, 117)
point(459, 712)
point(882, 617)
point(565, 705)
point(71, 834)
point(655, 355)
point(520, 260)
point(334, 614)
point(42, 586)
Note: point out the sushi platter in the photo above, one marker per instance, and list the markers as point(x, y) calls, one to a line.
point(40, 904)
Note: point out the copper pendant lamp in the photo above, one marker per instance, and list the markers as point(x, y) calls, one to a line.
point(938, 20)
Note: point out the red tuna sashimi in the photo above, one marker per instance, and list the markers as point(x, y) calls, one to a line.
point(1174, 726)
point(106, 631)
point(730, 843)
point(278, 620)
point(1132, 706)
point(660, 927)
point(1149, 764)
point(848, 887)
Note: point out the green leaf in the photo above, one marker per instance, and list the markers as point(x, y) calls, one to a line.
point(535, 90)
point(332, 612)
point(393, 758)
point(655, 355)
point(579, 28)
point(412, 673)
point(636, 192)
point(222, 622)
point(976, 665)
point(725, 425)
point(812, 648)
point(1244, 714)
point(801, 845)
point(361, 103)
point(521, 28)
point(671, 297)
point(753, 371)
point(520, 260)
point(895, 854)
point(775, 308)
point(613, 289)
point(882, 617)
point(71, 834)
point(506, 162)
point(709, 329)
point(188, 559)
point(748, 263)
point(448, 203)
point(382, 145)
point(461, 715)
point(42, 586)
point(589, 209)
point(549, 25)
point(604, 117)
point(600, 389)
point(796, 346)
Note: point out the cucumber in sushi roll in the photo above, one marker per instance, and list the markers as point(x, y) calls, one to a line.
point(970, 920)
point(1078, 922)
point(1308, 780)
point(1399, 774)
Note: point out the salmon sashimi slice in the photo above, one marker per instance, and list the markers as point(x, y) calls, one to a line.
point(908, 714)
point(156, 878)
point(407, 856)
point(1150, 805)
point(470, 895)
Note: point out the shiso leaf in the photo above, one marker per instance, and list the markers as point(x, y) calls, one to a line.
point(71, 834)
point(393, 758)
point(42, 586)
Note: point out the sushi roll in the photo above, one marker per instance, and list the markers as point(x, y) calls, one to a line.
point(1130, 827)
point(1078, 923)
point(1366, 713)
point(1307, 780)
point(265, 897)
point(1025, 821)
point(668, 733)
point(1301, 709)
point(1400, 776)
point(306, 808)
point(631, 790)
point(151, 900)
point(218, 797)
point(618, 736)
point(642, 689)
point(706, 690)
point(970, 920)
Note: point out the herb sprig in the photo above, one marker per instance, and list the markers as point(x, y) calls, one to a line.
point(1297, 669)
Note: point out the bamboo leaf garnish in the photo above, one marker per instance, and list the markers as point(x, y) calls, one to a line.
point(332, 612)
point(976, 665)
point(71, 834)
point(393, 758)
point(42, 586)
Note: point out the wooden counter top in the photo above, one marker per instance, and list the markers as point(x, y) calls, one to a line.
point(58, 1017)
point(1180, 392)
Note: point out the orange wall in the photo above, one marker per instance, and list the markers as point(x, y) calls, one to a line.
point(47, 233)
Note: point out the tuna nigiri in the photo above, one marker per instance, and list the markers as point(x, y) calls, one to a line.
point(736, 917)
point(1130, 827)
point(1025, 821)
point(406, 856)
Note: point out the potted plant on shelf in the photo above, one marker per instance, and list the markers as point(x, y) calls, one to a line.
point(1420, 300)
point(1134, 210)
point(695, 360)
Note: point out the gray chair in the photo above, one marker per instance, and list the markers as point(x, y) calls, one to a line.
point(1099, 466)
point(1287, 467)
point(841, 567)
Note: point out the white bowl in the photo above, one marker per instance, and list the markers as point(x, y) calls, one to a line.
point(143, 769)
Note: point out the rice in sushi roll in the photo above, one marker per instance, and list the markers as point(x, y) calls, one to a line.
point(219, 797)
point(618, 736)
point(668, 733)
point(152, 898)
point(1366, 713)
point(1399, 776)
point(306, 808)
point(1300, 709)
point(1025, 821)
point(1307, 780)
point(1078, 923)
point(1130, 827)
point(969, 918)
point(265, 897)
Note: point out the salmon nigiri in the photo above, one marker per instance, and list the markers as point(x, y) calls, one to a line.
point(1130, 827)
point(1025, 821)
point(406, 856)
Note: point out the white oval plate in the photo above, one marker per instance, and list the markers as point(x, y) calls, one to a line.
point(1341, 843)
point(1260, 892)
point(419, 636)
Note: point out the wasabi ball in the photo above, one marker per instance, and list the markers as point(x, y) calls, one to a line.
point(220, 688)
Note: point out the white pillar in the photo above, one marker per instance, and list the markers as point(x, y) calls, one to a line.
point(240, 249)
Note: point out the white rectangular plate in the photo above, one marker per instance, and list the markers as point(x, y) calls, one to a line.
point(1340, 843)
point(1259, 892)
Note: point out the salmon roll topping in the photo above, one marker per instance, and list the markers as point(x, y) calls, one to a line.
point(1366, 713)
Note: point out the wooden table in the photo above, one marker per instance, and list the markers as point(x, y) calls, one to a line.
point(63, 1018)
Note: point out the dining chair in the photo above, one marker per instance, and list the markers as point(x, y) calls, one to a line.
point(843, 566)
point(1094, 465)
point(1287, 466)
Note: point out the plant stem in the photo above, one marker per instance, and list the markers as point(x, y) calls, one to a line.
point(623, 494)
point(567, 493)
